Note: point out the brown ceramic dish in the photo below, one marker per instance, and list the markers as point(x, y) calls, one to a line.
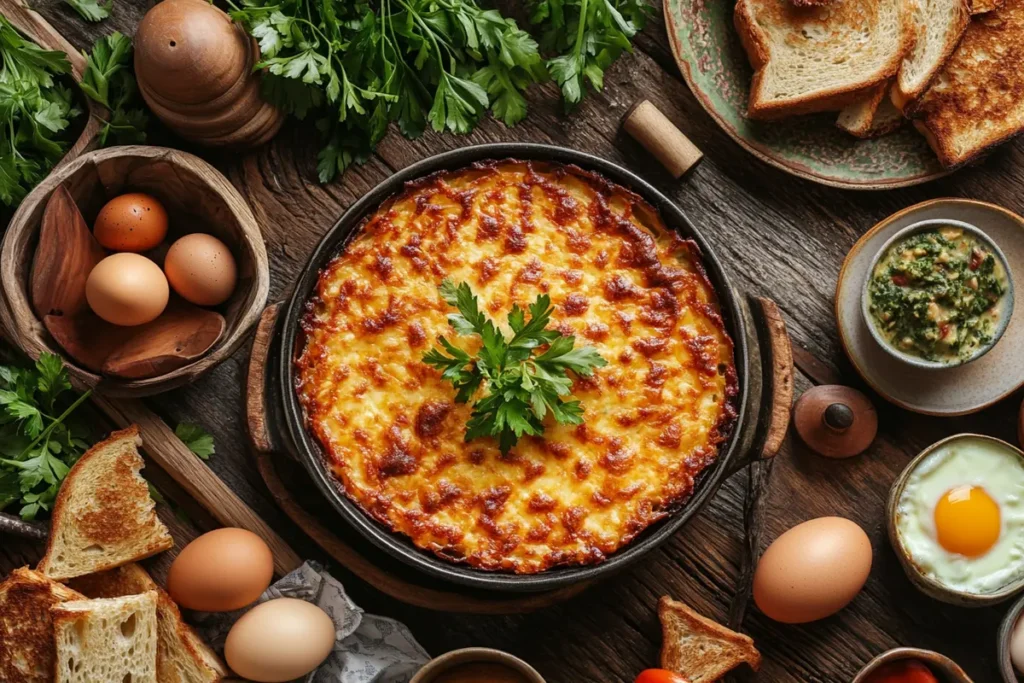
point(925, 584)
point(944, 667)
point(196, 195)
point(1005, 632)
point(473, 655)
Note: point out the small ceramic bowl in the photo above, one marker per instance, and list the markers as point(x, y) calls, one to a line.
point(921, 581)
point(941, 665)
point(450, 660)
point(924, 226)
point(1005, 632)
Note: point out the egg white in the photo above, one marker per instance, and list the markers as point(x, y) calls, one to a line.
point(975, 462)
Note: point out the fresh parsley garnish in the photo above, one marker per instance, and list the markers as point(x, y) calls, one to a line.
point(357, 66)
point(110, 81)
point(36, 109)
point(198, 440)
point(38, 440)
point(524, 373)
point(588, 36)
point(91, 10)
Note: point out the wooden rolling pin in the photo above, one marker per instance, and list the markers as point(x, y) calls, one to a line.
point(659, 136)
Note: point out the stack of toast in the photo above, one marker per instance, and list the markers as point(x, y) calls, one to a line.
point(955, 68)
point(112, 622)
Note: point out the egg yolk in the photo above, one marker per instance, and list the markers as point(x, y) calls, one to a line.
point(967, 521)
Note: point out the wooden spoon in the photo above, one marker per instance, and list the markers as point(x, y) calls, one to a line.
point(181, 335)
point(66, 254)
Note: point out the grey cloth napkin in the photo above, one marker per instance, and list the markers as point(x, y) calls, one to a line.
point(367, 648)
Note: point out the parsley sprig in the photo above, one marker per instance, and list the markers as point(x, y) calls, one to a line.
point(524, 372)
point(39, 440)
point(110, 81)
point(588, 36)
point(91, 10)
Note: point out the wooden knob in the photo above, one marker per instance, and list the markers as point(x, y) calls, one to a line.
point(659, 136)
point(835, 421)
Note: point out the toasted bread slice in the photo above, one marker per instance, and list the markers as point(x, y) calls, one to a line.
point(104, 516)
point(977, 100)
point(983, 6)
point(699, 649)
point(940, 26)
point(112, 640)
point(812, 59)
point(873, 116)
point(181, 655)
point(26, 627)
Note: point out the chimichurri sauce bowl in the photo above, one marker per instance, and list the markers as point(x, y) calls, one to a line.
point(938, 294)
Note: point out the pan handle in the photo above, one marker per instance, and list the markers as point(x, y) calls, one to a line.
point(770, 383)
point(9, 524)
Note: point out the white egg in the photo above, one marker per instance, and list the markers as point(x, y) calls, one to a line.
point(960, 516)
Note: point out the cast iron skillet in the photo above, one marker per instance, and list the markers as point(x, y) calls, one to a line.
point(745, 442)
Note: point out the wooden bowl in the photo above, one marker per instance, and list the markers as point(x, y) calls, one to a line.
point(921, 581)
point(941, 665)
point(198, 199)
point(1006, 629)
point(484, 655)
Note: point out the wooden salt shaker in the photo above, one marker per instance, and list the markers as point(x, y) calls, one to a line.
point(647, 125)
point(835, 421)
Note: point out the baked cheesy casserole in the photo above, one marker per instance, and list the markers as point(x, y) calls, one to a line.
point(618, 279)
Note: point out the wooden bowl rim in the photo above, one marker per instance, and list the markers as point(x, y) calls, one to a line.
point(14, 302)
point(925, 584)
point(466, 655)
point(1006, 629)
point(935, 659)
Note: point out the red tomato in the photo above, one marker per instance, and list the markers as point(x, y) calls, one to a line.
point(659, 676)
point(902, 671)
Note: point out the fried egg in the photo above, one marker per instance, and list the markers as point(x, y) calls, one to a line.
point(960, 516)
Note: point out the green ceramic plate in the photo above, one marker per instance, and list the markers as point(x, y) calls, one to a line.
point(715, 66)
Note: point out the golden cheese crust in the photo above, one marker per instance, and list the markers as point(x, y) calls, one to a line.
point(618, 280)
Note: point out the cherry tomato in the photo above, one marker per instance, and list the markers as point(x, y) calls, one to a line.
point(903, 671)
point(659, 676)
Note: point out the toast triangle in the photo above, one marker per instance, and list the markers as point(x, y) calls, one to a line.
point(698, 648)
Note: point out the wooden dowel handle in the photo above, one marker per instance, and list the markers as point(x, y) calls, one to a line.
point(659, 136)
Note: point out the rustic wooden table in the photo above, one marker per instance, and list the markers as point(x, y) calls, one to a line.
point(780, 237)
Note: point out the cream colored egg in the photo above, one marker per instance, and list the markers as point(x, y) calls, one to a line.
point(279, 640)
point(127, 289)
point(201, 269)
point(220, 571)
point(812, 571)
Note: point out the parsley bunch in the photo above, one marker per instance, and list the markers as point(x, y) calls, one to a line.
point(521, 385)
point(360, 64)
point(588, 36)
point(110, 81)
point(38, 442)
point(35, 112)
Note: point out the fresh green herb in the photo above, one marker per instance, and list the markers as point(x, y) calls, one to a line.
point(588, 36)
point(91, 10)
point(936, 295)
point(198, 440)
point(35, 113)
point(359, 65)
point(38, 440)
point(110, 81)
point(524, 373)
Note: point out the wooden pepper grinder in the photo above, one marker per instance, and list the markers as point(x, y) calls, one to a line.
point(835, 421)
point(659, 136)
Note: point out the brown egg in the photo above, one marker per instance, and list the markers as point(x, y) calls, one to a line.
point(127, 289)
point(812, 571)
point(131, 222)
point(279, 640)
point(223, 570)
point(201, 269)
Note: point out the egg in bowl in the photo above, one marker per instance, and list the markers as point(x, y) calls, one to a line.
point(957, 518)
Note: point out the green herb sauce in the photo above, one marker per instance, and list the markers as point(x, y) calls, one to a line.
point(937, 295)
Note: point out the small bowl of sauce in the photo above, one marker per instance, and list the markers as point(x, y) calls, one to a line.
point(477, 665)
point(938, 294)
point(911, 665)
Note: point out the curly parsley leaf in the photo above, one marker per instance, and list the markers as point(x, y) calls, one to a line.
point(520, 388)
point(109, 81)
point(91, 10)
point(198, 440)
